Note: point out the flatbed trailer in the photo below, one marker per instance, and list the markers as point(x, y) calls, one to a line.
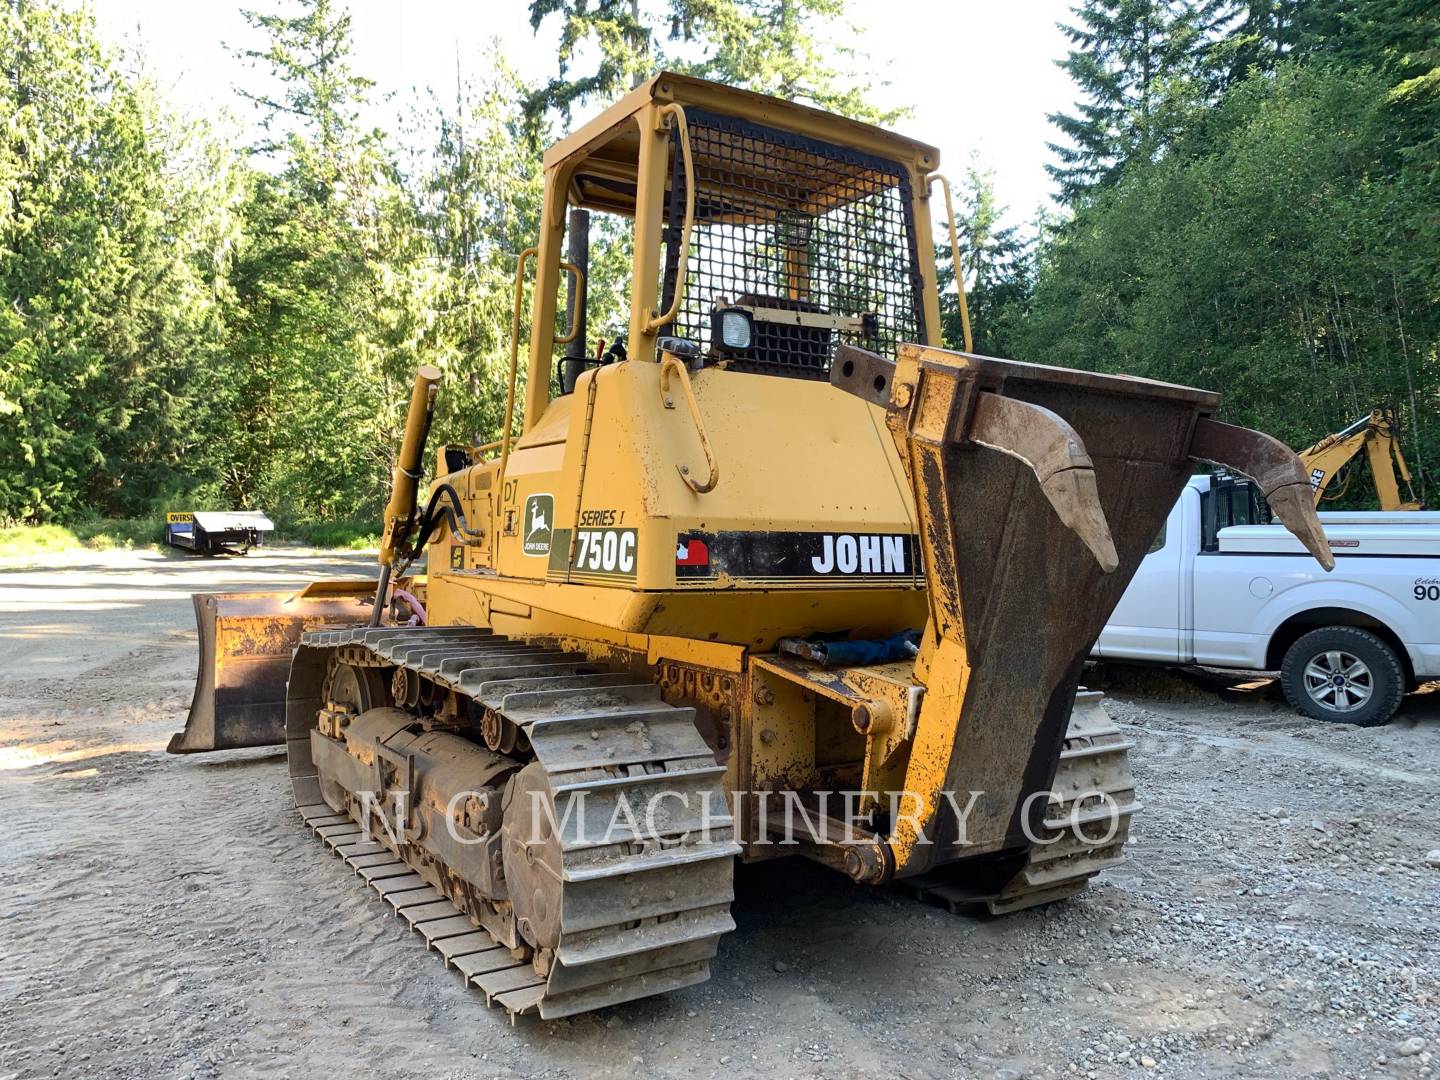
point(209, 532)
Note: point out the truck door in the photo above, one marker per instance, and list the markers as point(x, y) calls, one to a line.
point(1146, 623)
point(1231, 589)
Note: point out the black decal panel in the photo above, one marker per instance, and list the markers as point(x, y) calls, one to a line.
point(598, 554)
point(793, 556)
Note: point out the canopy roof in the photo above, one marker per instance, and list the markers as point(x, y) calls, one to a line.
point(607, 149)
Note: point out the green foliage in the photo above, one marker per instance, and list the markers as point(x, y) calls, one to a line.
point(1131, 61)
point(789, 48)
point(111, 243)
point(997, 263)
point(29, 543)
point(1249, 186)
point(345, 535)
point(478, 197)
point(191, 323)
point(333, 288)
point(1282, 248)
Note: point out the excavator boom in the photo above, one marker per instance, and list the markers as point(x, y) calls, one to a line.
point(1375, 434)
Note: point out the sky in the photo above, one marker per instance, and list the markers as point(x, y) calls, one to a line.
point(979, 74)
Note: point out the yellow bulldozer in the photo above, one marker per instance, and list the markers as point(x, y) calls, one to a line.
point(776, 575)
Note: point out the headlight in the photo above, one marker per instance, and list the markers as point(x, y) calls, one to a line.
point(733, 330)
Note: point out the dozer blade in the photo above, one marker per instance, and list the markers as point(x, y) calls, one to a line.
point(246, 641)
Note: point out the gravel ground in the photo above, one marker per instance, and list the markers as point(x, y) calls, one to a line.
point(168, 917)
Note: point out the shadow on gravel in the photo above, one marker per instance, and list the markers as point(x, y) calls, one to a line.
point(225, 761)
point(784, 893)
point(1196, 685)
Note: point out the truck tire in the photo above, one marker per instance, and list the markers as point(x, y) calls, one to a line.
point(1344, 674)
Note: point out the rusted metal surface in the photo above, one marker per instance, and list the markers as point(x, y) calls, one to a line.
point(246, 640)
point(806, 827)
point(1276, 468)
point(1037, 437)
point(715, 695)
point(1001, 569)
point(880, 701)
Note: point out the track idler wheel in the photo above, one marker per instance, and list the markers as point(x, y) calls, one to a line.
point(359, 689)
point(349, 692)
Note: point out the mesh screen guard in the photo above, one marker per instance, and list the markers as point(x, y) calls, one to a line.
point(786, 222)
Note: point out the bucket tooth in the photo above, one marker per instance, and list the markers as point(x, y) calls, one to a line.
point(1294, 505)
point(1278, 471)
point(1073, 494)
point(1054, 452)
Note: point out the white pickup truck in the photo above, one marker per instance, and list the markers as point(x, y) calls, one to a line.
point(1221, 589)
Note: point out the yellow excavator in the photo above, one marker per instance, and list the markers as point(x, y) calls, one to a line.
point(776, 575)
point(1375, 434)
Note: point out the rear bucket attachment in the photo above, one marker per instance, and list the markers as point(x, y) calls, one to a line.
point(1037, 491)
point(246, 642)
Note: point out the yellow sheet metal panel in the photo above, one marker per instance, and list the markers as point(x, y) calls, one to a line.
point(802, 509)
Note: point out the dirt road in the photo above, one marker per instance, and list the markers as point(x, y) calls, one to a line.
point(168, 917)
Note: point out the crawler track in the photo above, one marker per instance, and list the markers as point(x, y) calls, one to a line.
point(628, 913)
point(1084, 833)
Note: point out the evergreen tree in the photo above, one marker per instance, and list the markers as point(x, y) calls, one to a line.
point(772, 46)
point(1247, 37)
point(111, 265)
point(1130, 61)
point(479, 191)
point(1275, 256)
point(997, 264)
point(332, 282)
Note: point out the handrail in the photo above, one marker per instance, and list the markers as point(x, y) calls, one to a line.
point(525, 255)
point(579, 292)
point(670, 363)
point(657, 320)
point(955, 256)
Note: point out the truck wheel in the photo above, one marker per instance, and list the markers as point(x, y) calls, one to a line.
point(1345, 674)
